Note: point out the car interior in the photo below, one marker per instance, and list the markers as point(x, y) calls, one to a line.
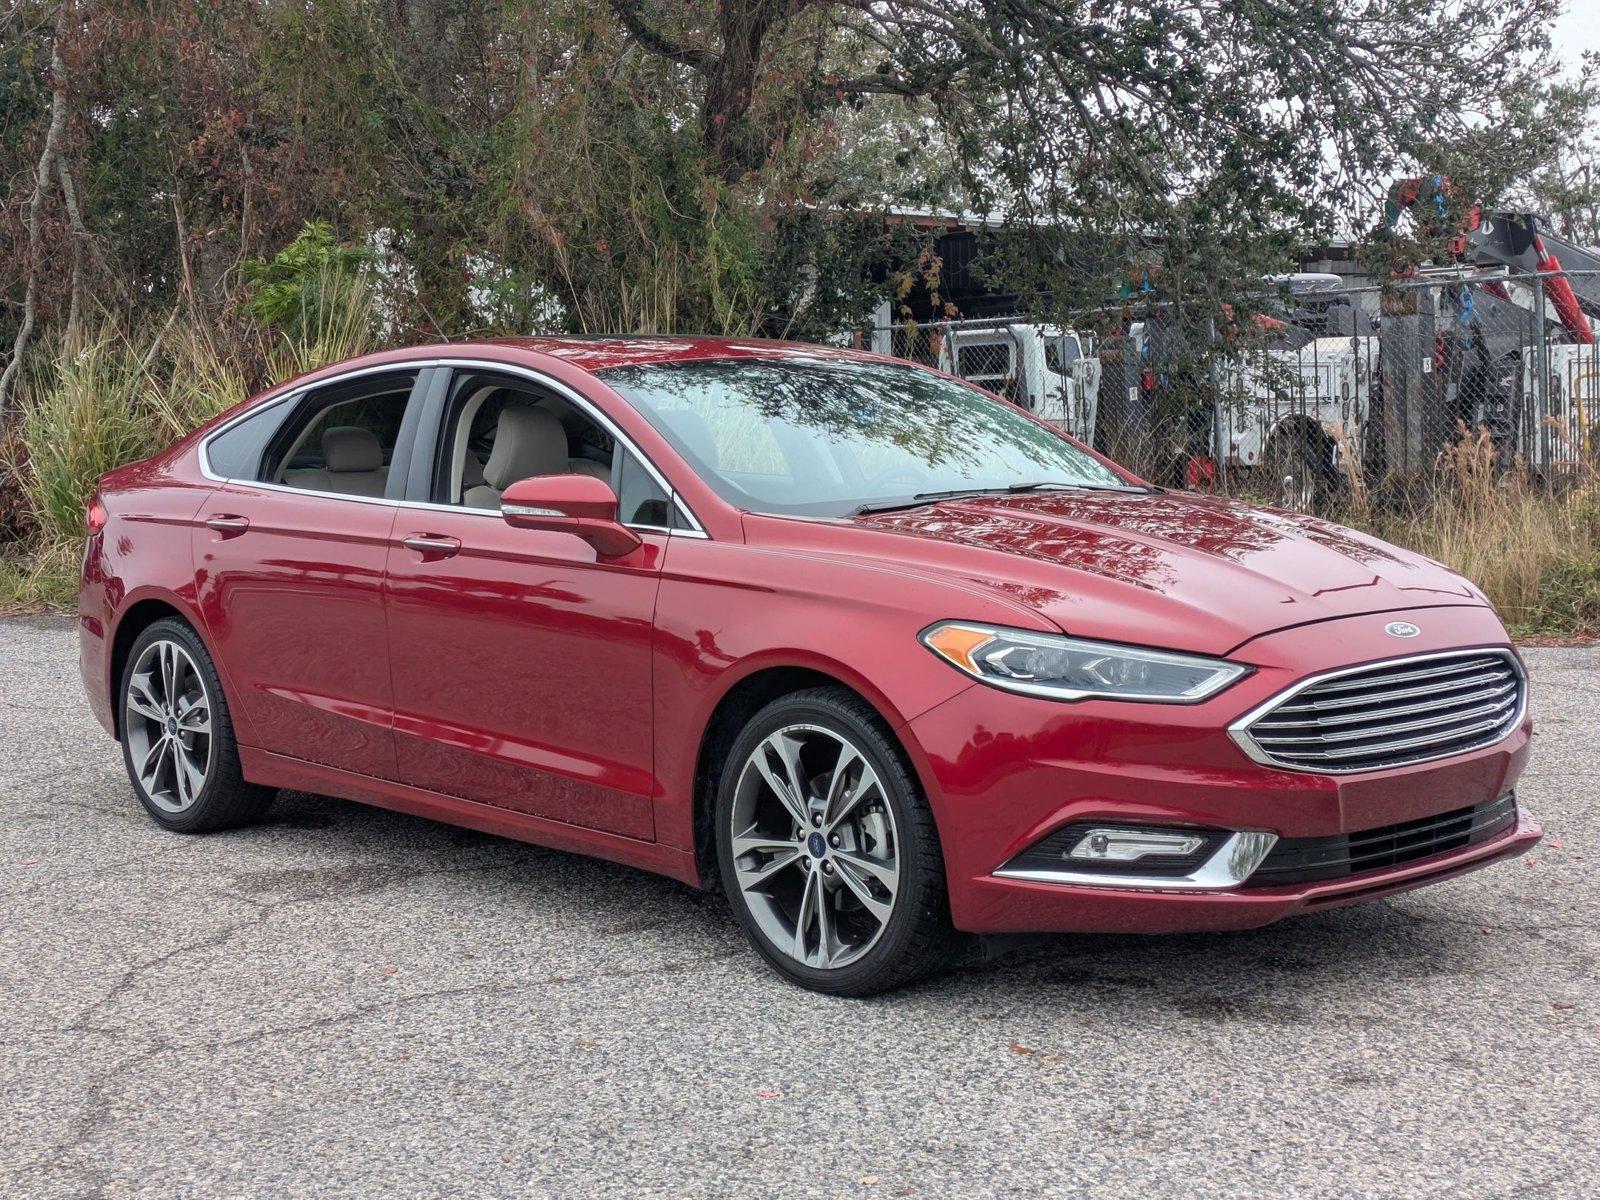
point(352, 464)
point(346, 447)
point(495, 432)
point(499, 434)
point(498, 431)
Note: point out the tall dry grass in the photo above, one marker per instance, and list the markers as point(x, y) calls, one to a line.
point(196, 378)
point(118, 395)
point(88, 420)
point(1535, 554)
point(44, 577)
point(340, 322)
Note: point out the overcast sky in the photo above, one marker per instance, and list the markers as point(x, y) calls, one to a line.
point(1577, 31)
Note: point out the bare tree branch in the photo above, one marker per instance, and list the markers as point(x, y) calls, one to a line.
point(632, 15)
point(48, 158)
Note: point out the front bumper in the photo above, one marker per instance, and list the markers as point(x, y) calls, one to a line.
point(1016, 906)
point(1004, 771)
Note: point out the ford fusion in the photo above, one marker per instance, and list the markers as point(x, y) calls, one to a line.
point(878, 653)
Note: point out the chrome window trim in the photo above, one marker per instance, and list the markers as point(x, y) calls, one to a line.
point(289, 397)
point(583, 404)
point(1239, 729)
point(1229, 866)
point(571, 395)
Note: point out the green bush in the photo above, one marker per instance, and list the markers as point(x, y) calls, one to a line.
point(295, 288)
point(89, 419)
point(1569, 597)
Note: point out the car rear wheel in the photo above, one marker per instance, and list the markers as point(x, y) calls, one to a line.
point(177, 738)
point(828, 851)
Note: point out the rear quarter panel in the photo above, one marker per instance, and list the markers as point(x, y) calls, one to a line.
point(143, 553)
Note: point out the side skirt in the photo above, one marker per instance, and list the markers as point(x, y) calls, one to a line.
point(281, 771)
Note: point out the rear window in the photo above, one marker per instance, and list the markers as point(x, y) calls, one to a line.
point(235, 453)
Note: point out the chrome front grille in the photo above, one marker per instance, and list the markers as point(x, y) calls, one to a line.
point(1390, 714)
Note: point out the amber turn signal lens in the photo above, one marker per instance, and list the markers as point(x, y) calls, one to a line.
point(1058, 667)
point(957, 643)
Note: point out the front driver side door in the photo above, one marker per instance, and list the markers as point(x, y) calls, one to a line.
point(521, 662)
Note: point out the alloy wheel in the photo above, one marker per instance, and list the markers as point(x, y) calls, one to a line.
point(815, 850)
point(168, 726)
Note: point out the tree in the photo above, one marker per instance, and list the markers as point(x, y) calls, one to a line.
point(1565, 183)
point(1206, 132)
point(50, 172)
point(730, 165)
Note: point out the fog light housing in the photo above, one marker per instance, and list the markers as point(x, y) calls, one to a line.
point(1134, 845)
point(1151, 857)
point(1100, 848)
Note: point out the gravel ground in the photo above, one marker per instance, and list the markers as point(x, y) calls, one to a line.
point(345, 1001)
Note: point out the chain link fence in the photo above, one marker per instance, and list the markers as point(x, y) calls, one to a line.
point(1332, 394)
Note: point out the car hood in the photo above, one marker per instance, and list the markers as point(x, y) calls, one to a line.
point(1178, 570)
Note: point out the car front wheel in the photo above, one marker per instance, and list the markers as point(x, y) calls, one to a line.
point(828, 851)
point(177, 738)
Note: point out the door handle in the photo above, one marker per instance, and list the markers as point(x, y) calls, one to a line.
point(225, 523)
point(424, 543)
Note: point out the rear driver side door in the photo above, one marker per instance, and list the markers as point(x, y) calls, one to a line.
point(290, 553)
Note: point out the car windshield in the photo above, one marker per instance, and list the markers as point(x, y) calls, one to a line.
point(831, 437)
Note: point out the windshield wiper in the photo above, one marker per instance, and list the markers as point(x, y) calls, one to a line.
point(1056, 485)
point(924, 498)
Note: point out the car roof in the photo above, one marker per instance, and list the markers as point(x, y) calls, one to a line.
point(602, 352)
point(590, 354)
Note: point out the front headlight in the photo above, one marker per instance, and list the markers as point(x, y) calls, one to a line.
point(1064, 668)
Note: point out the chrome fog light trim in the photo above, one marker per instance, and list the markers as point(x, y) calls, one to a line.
point(1247, 851)
point(1233, 862)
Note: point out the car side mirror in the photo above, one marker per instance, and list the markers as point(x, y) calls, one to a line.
point(581, 505)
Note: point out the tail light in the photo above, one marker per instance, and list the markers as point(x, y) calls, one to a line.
point(95, 516)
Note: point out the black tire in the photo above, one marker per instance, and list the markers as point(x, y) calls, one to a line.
point(224, 799)
point(917, 938)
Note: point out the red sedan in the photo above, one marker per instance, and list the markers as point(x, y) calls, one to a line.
point(881, 654)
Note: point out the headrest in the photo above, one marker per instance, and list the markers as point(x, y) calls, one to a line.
point(527, 441)
point(351, 448)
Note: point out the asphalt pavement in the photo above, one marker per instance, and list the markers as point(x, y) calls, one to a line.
point(349, 1002)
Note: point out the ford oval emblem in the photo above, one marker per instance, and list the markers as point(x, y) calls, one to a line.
point(1401, 629)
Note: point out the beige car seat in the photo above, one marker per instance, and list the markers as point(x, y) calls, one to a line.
point(527, 442)
point(354, 459)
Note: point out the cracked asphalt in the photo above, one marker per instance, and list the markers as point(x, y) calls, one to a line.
point(349, 1002)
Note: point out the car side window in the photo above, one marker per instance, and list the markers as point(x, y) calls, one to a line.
point(640, 499)
point(498, 429)
point(984, 362)
point(341, 439)
point(1061, 354)
point(236, 452)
